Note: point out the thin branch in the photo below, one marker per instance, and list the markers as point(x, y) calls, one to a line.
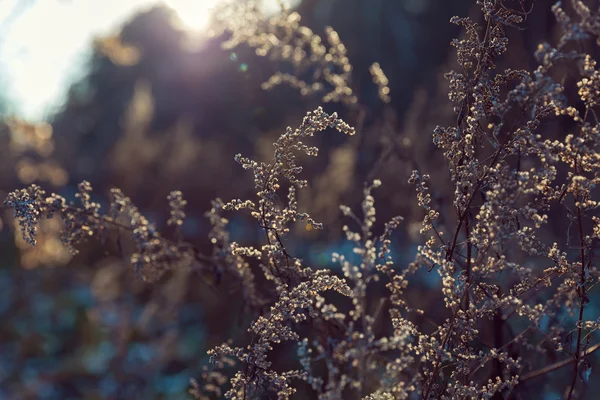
point(557, 365)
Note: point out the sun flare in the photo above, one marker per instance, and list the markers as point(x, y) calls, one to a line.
point(194, 14)
point(44, 44)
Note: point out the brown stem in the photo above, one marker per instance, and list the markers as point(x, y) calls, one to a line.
point(463, 215)
point(111, 221)
point(467, 272)
point(498, 324)
point(581, 293)
point(468, 264)
point(449, 255)
point(557, 365)
point(438, 360)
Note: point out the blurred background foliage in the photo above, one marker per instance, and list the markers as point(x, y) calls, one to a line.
point(158, 108)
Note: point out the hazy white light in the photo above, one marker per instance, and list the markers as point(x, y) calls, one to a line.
point(42, 50)
point(194, 14)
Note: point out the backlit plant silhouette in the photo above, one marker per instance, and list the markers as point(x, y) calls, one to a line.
point(516, 304)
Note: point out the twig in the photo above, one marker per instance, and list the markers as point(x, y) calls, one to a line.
point(557, 365)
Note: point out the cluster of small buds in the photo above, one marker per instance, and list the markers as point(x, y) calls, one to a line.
point(304, 353)
point(458, 89)
point(596, 227)
point(80, 223)
point(26, 204)
point(153, 254)
point(176, 205)
point(246, 251)
point(272, 217)
point(366, 246)
point(273, 328)
point(464, 47)
point(223, 252)
point(589, 87)
point(571, 30)
point(381, 81)
point(368, 205)
point(281, 37)
point(424, 200)
point(384, 239)
point(380, 395)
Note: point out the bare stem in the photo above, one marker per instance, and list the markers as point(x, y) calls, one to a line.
point(580, 293)
point(557, 365)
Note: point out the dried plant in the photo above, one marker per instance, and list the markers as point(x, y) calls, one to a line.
point(513, 302)
point(318, 67)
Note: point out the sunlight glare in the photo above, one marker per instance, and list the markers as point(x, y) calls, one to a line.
point(194, 14)
point(44, 44)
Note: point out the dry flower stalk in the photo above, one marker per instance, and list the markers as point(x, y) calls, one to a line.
point(494, 265)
